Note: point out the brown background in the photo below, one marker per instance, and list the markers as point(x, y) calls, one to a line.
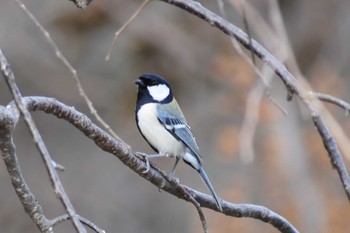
point(291, 173)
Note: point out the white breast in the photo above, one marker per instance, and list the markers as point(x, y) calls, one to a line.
point(156, 134)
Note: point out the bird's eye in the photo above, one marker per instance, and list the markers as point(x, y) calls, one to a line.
point(152, 83)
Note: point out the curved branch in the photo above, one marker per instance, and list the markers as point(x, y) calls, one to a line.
point(8, 120)
point(136, 163)
point(333, 100)
point(85, 221)
point(195, 8)
point(293, 85)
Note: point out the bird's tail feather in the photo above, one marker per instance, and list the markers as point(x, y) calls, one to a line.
point(210, 187)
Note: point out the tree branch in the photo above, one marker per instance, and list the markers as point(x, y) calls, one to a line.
point(195, 8)
point(8, 120)
point(333, 100)
point(138, 165)
point(331, 146)
point(293, 85)
point(71, 69)
point(85, 221)
point(51, 168)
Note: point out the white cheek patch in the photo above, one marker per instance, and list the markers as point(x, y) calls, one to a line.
point(159, 92)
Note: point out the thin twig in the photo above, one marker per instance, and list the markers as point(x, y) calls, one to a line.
point(336, 129)
point(56, 183)
point(85, 221)
point(71, 69)
point(246, 26)
point(333, 100)
point(231, 30)
point(251, 119)
point(261, 88)
point(58, 166)
point(234, 42)
point(277, 105)
point(91, 225)
point(250, 122)
point(138, 165)
point(117, 33)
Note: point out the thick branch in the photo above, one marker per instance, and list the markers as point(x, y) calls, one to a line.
point(154, 175)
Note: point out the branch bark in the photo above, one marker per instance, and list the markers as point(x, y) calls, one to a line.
point(8, 120)
point(138, 165)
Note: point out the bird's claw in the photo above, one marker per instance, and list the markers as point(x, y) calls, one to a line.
point(148, 166)
point(176, 179)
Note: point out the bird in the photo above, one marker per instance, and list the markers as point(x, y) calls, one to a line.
point(163, 125)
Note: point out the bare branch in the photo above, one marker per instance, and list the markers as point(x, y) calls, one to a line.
point(85, 221)
point(71, 69)
point(56, 183)
point(120, 30)
point(262, 87)
point(8, 120)
point(332, 148)
point(250, 122)
point(91, 225)
point(138, 165)
point(333, 100)
point(294, 87)
point(251, 211)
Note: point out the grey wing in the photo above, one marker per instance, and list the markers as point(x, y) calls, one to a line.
point(171, 117)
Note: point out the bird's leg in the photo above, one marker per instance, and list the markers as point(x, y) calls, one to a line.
point(150, 156)
point(172, 173)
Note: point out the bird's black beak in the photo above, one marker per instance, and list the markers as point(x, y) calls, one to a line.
point(139, 82)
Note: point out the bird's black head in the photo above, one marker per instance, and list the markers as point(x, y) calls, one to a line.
point(153, 88)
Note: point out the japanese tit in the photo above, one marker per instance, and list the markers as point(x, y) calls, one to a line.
point(162, 124)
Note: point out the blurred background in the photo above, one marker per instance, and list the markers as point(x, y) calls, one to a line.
point(291, 173)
